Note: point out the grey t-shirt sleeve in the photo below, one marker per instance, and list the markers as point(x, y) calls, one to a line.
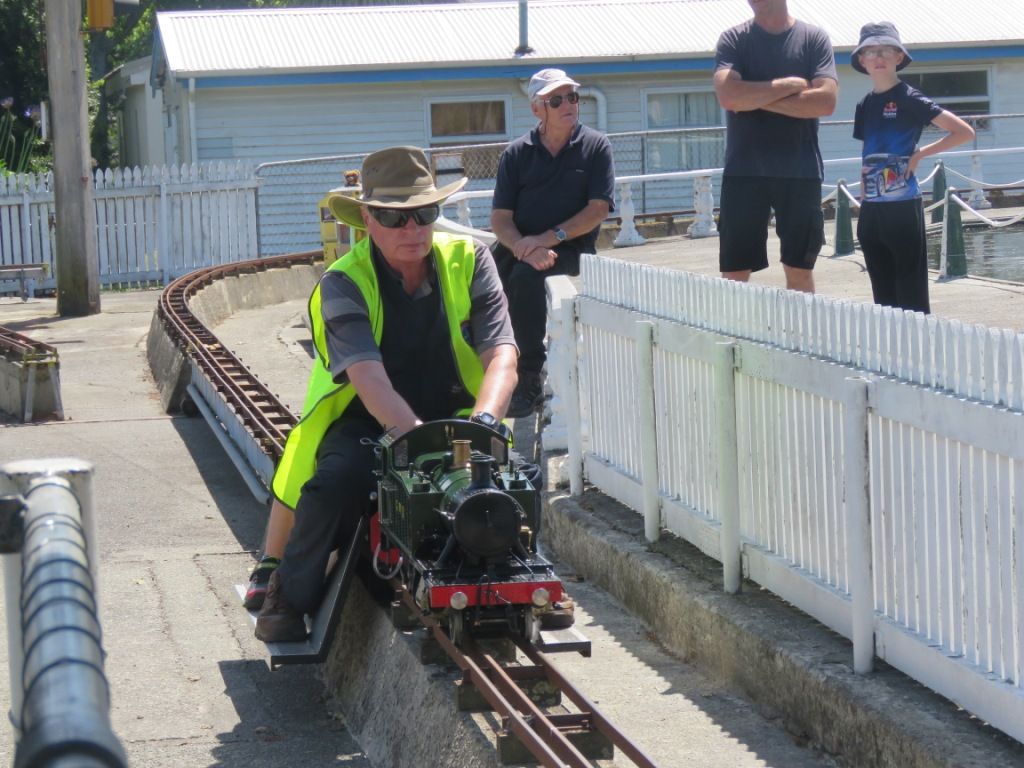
point(726, 52)
point(823, 55)
point(347, 326)
point(489, 323)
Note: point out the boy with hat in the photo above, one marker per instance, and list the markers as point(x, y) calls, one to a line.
point(411, 325)
point(889, 120)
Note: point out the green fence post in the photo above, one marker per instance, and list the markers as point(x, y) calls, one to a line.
point(844, 224)
point(938, 190)
point(956, 253)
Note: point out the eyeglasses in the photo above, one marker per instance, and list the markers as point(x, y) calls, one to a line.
point(886, 51)
point(393, 218)
point(555, 101)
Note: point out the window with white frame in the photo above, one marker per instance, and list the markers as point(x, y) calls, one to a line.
point(681, 151)
point(467, 122)
point(962, 92)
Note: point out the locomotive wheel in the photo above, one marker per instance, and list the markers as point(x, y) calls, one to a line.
point(531, 627)
point(456, 626)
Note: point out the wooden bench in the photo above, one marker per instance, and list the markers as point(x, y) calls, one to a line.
point(26, 275)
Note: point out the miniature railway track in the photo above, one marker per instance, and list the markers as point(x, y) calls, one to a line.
point(15, 346)
point(545, 735)
point(262, 414)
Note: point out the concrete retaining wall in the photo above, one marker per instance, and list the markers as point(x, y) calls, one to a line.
point(212, 305)
point(400, 710)
point(14, 389)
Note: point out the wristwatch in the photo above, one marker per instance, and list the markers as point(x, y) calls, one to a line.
point(485, 418)
point(560, 235)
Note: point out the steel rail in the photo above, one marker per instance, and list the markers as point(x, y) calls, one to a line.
point(262, 414)
point(543, 734)
point(600, 722)
point(14, 344)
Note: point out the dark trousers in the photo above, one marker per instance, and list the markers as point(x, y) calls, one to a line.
point(892, 236)
point(329, 508)
point(527, 303)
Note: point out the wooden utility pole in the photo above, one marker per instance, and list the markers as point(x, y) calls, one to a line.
point(78, 284)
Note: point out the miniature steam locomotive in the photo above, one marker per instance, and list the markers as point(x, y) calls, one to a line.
point(457, 524)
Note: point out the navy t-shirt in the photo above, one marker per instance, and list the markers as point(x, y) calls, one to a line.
point(890, 126)
point(762, 143)
point(544, 191)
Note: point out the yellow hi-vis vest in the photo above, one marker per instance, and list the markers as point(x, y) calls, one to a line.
point(454, 262)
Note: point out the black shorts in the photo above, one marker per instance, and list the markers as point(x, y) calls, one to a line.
point(746, 206)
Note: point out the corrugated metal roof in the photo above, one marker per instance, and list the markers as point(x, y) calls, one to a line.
point(265, 41)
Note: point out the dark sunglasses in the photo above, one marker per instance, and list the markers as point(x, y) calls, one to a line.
point(556, 101)
point(393, 218)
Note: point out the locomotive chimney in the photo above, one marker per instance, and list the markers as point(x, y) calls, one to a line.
point(524, 29)
point(481, 472)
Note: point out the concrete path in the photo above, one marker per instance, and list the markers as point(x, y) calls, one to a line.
point(177, 530)
point(995, 303)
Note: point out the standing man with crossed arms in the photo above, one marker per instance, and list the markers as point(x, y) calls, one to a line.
point(775, 75)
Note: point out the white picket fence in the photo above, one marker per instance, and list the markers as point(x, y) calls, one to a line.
point(865, 464)
point(152, 224)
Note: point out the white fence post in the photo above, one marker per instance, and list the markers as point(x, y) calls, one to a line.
point(162, 234)
point(978, 200)
point(465, 219)
point(858, 522)
point(704, 204)
point(728, 466)
point(563, 312)
point(644, 333)
point(26, 226)
point(627, 233)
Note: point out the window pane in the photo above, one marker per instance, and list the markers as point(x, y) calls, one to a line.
point(940, 85)
point(467, 118)
point(686, 150)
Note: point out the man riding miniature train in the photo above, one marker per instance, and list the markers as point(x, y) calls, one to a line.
point(409, 326)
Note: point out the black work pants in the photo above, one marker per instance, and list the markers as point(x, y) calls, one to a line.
point(329, 508)
point(892, 236)
point(528, 305)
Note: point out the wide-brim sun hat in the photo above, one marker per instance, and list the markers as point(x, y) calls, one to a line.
point(878, 33)
point(396, 177)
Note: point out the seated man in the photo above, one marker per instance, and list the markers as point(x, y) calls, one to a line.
point(409, 326)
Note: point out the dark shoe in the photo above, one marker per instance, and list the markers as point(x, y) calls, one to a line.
point(258, 581)
point(279, 621)
point(561, 616)
point(528, 395)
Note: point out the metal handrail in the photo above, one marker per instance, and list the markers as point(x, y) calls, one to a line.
point(60, 698)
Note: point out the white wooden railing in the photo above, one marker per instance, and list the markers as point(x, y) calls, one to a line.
point(152, 224)
point(863, 463)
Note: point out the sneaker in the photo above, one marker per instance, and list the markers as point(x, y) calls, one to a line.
point(528, 395)
point(258, 581)
point(279, 621)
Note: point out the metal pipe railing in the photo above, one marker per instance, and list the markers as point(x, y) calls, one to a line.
point(60, 699)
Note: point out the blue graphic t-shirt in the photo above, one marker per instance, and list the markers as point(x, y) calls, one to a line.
point(890, 126)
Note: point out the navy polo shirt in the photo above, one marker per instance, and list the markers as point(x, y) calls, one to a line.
point(544, 191)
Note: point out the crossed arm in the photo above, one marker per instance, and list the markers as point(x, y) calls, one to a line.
point(790, 96)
